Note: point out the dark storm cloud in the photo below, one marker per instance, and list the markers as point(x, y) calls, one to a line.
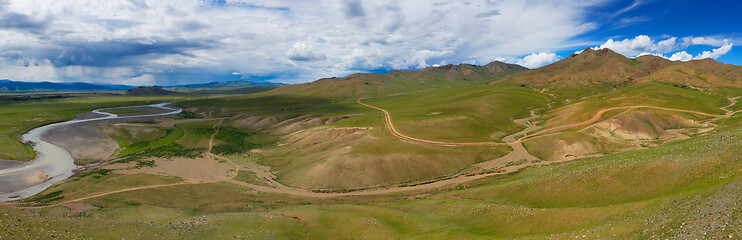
point(11, 20)
point(353, 9)
point(141, 4)
point(192, 26)
point(306, 56)
point(117, 52)
point(488, 14)
point(117, 23)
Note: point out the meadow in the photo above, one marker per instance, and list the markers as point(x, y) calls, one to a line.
point(592, 198)
point(676, 188)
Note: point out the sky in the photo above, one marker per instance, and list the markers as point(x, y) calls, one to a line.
point(168, 42)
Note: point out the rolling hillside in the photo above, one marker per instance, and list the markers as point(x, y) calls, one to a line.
point(594, 71)
point(370, 85)
point(8, 86)
point(444, 152)
point(146, 91)
point(228, 86)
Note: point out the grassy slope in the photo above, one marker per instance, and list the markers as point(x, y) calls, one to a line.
point(597, 71)
point(240, 90)
point(607, 195)
point(302, 165)
point(462, 114)
point(711, 75)
point(648, 94)
point(593, 197)
point(627, 195)
point(354, 162)
point(372, 85)
point(196, 134)
point(315, 160)
point(130, 144)
point(598, 197)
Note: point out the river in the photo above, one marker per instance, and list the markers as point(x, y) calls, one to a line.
point(53, 163)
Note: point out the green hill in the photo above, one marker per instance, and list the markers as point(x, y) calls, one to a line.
point(371, 85)
point(595, 71)
point(148, 91)
point(594, 146)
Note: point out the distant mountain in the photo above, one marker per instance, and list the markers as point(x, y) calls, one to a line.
point(592, 67)
point(8, 86)
point(148, 91)
point(238, 90)
point(599, 70)
point(369, 85)
point(229, 84)
point(704, 73)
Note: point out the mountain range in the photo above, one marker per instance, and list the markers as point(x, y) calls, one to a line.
point(368, 84)
point(591, 71)
point(605, 69)
point(632, 148)
point(9, 86)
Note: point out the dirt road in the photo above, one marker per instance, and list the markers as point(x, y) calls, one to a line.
point(109, 193)
point(600, 113)
point(397, 134)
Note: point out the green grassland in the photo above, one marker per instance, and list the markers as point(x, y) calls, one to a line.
point(196, 134)
point(137, 139)
point(646, 94)
point(596, 197)
point(462, 114)
point(457, 114)
point(367, 160)
point(372, 157)
point(674, 189)
point(375, 85)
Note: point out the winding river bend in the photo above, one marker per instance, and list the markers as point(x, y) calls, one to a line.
point(53, 163)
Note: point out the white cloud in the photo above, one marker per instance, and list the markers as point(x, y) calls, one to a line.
point(649, 53)
point(710, 41)
point(361, 59)
point(538, 59)
point(667, 45)
point(713, 54)
point(644, 45)
point(717, 52)
point(633, 5)
point(681, 56)
point(631, 47)
point(304, 52)
point(293, 41)
point(144, 79)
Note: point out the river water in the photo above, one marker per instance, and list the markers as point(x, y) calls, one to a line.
point(52, 164)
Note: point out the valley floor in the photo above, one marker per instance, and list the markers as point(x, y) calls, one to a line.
point(232, 167)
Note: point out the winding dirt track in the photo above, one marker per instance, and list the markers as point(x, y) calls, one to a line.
point(280, 188)
point(600, 113)
point(395, 133)
point(109, 193)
